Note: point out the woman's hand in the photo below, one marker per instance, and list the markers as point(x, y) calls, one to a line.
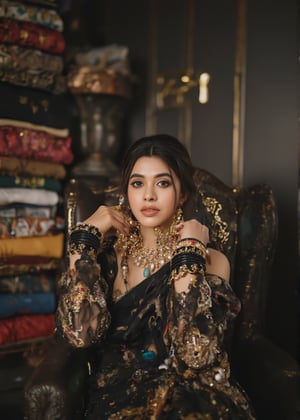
point(194, 229)
point(108, 220)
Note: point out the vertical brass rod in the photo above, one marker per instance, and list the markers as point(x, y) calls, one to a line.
point(185, 113)
point(190, 31)
point(239, 95)
point(152, 64)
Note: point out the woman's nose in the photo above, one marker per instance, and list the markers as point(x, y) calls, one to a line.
point(149, 195)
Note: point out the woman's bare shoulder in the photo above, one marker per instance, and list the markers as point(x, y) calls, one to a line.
point(217, 263)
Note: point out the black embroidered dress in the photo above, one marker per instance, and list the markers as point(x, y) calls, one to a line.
point(157, 354)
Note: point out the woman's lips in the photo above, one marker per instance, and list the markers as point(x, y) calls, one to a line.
point(149, 211)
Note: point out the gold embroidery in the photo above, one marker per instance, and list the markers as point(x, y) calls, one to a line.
point(45, 105)
point(34, 182)
point(23, 100)
point(220, 227)
point(24, 34)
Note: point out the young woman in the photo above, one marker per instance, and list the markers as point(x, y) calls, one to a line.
point(151, 299)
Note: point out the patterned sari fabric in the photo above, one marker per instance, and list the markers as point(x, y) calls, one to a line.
point(15, 227)
point(155, 353)
point(30, 35)
point(29, 283)
point(33, 108)
point(30, 13)
point(43, 80)
point(25, 327)
point(29, 196)
point(37, 182)
point(29, 167)
point(32, 68)
point(50, 246)
point(14, 57)
point(33, 144)
point(19, 265)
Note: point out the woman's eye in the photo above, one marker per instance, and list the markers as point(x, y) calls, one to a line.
point(164, 183)
point(136, 184)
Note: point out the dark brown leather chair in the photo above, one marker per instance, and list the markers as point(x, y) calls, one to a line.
point(244, 226)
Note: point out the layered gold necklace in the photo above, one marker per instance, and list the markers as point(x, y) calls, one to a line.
point(150, 259)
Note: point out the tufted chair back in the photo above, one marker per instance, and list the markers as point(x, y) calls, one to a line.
point(243, 225)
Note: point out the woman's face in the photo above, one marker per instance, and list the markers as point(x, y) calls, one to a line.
point(154, 192)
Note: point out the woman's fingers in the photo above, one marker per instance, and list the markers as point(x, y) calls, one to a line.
point(107, 219)
point(194, 229)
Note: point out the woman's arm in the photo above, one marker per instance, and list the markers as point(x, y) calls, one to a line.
point(82, 315)
point(200, 301)
point(215, 262)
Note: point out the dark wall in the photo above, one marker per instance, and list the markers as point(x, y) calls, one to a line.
point(271, 145)
point(215, 53)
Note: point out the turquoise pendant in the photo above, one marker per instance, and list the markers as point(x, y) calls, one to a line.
point(146, 272)
point(148, 355)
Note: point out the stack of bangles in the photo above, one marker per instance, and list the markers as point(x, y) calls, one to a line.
point(85, 239)
point(188, 257)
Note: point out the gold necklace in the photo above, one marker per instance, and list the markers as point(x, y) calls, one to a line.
point(150, 259)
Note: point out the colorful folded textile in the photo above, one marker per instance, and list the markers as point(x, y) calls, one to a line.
point(14, 57)
point(25, 327)
point(25, 304)
point(41, 143)
point(58, 132)
point(29, 196)
point(42, 246)
point(30, 13)
point(21, 227)
point(36, 145)
point(36, 182)
point(28, 210)
point(14, 266)
point(44, 282)
point(43, 80)
point(35, 106)
point(16, 166)
point(27, 34)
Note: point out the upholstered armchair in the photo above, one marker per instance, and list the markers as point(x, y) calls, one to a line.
point(244, 226)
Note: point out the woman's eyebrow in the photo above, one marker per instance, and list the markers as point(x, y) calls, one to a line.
point(155, 176)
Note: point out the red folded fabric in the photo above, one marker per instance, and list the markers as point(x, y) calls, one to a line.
point(25, 327)
point(34, 144)
point(27, 34)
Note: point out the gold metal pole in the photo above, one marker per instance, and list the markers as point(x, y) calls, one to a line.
point(151, 120)
point(185, 113)
point(239, 95)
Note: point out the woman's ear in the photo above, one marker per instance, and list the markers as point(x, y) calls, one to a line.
point(183, 199)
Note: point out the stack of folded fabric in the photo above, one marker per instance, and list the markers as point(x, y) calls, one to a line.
point(35, 147)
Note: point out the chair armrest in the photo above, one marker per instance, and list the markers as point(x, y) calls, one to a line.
point(56, 389)
point(269, 375)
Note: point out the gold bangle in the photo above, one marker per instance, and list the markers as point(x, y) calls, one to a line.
point(197, 249)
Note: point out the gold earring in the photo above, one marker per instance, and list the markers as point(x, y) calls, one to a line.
point(179, 216)
point(121, 200)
